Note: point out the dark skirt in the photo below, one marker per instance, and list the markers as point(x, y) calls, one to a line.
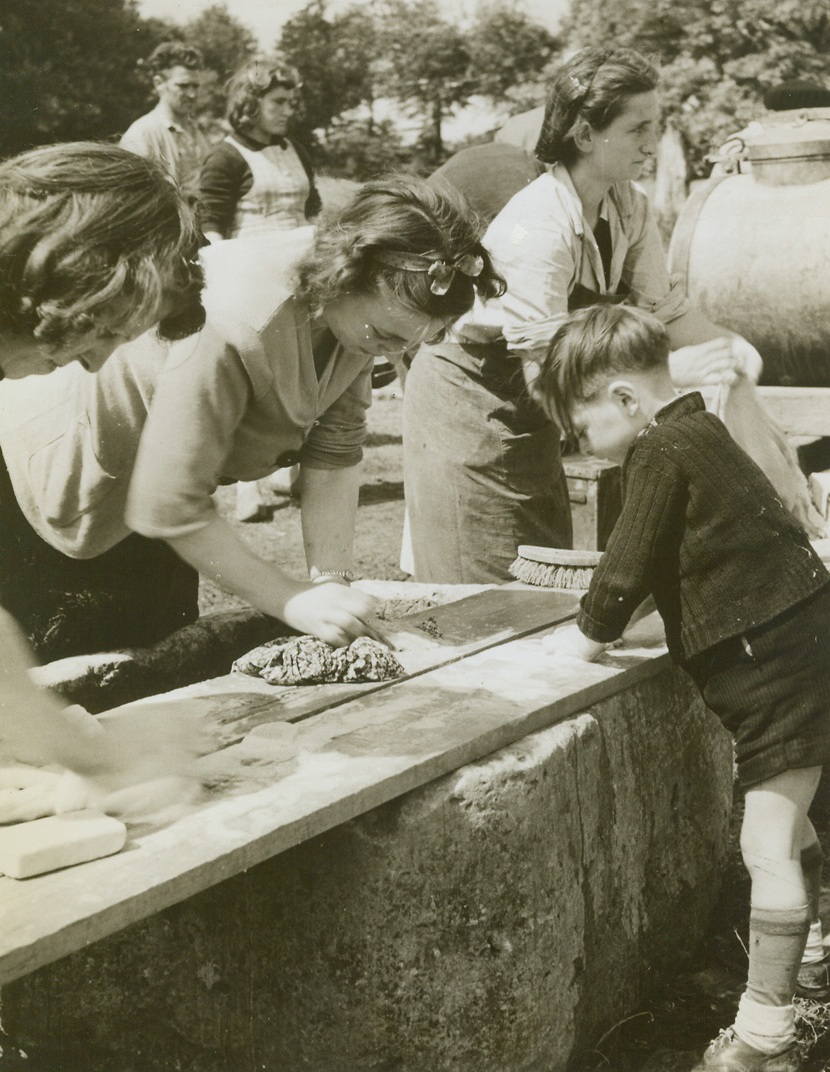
point(133, 595)
point(771, 690)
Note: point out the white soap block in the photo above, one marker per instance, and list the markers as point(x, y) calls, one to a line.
point(42, 845)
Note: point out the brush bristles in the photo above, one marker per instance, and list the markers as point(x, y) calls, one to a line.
point(547, 576)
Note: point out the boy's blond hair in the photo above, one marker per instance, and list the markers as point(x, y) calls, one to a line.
point(592, 346)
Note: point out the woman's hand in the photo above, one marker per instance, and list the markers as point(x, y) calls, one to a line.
point(749, 361)
point(714, 362)
point(569, 642)
point(334, 612)
point(148, 741)
point(135, 765)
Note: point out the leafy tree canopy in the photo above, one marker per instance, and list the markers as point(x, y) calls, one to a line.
point(335, 56)
point(225, 44)
point(68, 69)
point(718, 57)
point(223, 40)
point(507, 50)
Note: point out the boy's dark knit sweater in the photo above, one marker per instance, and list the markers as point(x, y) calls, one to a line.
point(703, 531)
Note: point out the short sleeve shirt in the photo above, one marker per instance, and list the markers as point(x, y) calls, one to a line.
point(245, 396)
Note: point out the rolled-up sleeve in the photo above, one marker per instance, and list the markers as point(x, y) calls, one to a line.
point(645, 271)
point(200, 400)
point(337, 438)
point(538, 262)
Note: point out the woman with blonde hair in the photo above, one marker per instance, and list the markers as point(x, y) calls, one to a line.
point(95, 248)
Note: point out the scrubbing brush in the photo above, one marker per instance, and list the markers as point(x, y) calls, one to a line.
point(555, 567)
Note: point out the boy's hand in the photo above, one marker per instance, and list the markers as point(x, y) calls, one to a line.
point(569, 642)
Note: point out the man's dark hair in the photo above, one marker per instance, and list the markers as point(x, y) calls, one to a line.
point(173, 54)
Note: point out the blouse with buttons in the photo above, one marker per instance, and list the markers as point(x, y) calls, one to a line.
point(542, 245)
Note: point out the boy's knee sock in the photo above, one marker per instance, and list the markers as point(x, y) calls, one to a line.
point(766, 1017)
point(776, 944)
point(768, 1028)
point(812, 860)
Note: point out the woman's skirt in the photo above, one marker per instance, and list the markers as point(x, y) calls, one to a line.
point(482, 466)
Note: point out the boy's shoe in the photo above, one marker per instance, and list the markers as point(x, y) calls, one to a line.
point(728, 1053)
point(814, 980)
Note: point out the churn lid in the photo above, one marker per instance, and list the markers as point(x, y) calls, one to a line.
point(794, 144)
point(804, 133)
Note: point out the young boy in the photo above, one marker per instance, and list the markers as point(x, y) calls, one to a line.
point(746, 605)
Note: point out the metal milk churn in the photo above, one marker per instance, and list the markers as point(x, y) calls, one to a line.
point(753, 244)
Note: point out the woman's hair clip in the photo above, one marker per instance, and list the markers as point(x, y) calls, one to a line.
point(580, 87)
point(440, 271)
point(262, 74)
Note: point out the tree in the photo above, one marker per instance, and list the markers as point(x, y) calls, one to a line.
point(655, 27)
point(351, 151)
point(57, 82)
point(335, 58)
point(718, 56)
point(225, 44)
point(426, 66)
point(507, 50)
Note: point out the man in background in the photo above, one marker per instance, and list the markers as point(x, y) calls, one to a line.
point(169, 133)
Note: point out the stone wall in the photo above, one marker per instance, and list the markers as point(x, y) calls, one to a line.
point(497, 920)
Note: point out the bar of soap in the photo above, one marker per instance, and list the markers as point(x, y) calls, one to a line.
point(32, 848)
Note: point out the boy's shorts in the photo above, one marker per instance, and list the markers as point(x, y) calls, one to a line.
point(771, 690)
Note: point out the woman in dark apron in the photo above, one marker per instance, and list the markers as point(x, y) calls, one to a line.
point(483, 471)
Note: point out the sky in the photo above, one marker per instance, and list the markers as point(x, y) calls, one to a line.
point(266, 17)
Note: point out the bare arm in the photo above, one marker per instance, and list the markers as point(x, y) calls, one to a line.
point(333, 612)
point(692, 328)
point(36, 729)
point(33, 726)
point(703, 352)
point(329, 513)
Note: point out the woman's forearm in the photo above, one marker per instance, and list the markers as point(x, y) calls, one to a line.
point(219, 554)
point(705, 353)
point(33, 726)
point(329, 514)
point(692, 328)
point(335, 613)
